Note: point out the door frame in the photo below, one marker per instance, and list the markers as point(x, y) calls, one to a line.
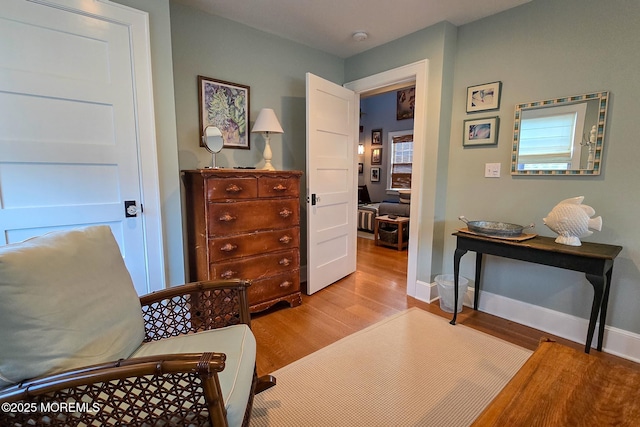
point(422, 210)
point(138, 23)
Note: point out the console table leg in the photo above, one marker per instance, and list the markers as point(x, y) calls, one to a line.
point(476, 293)
point(456, 271)
point(598, 283)
point(603, 307)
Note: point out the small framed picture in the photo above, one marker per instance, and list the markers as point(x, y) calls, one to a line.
point(406, 102)
point(484, 97)
point(481, 131)
point(360, 168)
point(376, 156)
point(376, 137)
point(375, 174)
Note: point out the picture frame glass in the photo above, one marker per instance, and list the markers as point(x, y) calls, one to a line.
point(484, 97)
point(226, 106)
point(376, 156)
point(481, 131)
point(406, 101)
point(375, 174)
point(376, 137)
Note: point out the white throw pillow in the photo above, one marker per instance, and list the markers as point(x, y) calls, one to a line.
point(66, 301)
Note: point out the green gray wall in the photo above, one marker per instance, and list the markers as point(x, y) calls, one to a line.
point(540, 50)
point(543, 49)
point(546, 49)
point(272, 67)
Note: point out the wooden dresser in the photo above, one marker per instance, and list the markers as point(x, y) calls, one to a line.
point(246, 224)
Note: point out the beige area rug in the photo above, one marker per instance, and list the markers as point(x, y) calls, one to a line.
point(411, 369)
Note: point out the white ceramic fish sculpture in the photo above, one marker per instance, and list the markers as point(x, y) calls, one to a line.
point(572, 220)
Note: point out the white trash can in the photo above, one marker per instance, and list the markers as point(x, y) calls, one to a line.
point(445, 291)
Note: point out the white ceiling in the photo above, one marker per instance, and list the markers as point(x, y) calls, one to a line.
point(328, 25)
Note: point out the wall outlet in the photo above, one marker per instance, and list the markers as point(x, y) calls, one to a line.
point(492, 170)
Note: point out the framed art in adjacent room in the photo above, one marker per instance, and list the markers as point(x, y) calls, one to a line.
point(376, 137)
point(360, 168)
point(484, 97)
point(225, 105)
point(481, 131)
point(406, 102)
point(375, 174)
point(376, 156)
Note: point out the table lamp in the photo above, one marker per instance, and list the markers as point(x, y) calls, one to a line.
point(267, 123)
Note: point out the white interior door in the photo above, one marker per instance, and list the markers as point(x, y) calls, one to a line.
point(69, 152)
point(331, 182)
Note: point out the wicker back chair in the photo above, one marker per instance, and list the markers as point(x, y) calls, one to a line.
point(146, 389)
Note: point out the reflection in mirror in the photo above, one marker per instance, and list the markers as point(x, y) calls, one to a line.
point(212, 141)
point(561, 136)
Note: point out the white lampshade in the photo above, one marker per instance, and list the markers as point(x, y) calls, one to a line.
point(267, 122)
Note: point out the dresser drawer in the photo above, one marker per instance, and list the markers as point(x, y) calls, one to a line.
point(274, 287)
point(257, 266)
point(231, 188)
point(249, 216)
point(276, 186)
point(241, 245)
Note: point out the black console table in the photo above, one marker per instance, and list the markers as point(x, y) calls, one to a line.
point(593, 259)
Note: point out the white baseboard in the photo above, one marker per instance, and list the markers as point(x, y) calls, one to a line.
point(426, 292)
point(616, 341)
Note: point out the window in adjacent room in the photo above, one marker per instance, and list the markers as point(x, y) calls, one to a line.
point(401, 159)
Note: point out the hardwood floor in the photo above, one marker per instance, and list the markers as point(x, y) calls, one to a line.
point(375, 291)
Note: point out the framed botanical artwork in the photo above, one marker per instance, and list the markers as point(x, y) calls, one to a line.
point(225, 105)
point(376, 137)
point(406, 102)
point(375, 174)
point(484, 97)
point(481, 131)
point(376, 156)
point(360, 168)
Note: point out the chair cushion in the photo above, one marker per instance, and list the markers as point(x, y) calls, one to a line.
point(66, 301)
point(237, 342)
point(404, 196)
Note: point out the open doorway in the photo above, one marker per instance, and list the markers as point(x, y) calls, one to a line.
point(390, 80)
point(385, 158)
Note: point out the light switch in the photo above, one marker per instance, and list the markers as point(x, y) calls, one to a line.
point(492, 170)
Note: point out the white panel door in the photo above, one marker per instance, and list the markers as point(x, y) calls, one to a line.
point(331, 183)
point(68, 140)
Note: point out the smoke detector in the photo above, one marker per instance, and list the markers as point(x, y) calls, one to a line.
point(360, 36)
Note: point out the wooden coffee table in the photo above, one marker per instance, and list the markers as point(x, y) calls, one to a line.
point(401, 222)
point(560, 386)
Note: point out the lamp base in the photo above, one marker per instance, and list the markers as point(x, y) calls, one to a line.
point(267, 154)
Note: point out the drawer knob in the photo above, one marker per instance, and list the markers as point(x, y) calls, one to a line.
point(286, 213)
point(286, 239)
point(280, 188)
point(233, 188)
point(285, 262)
point(228, 274)
point(227, 217)
point(285, 284)
point(228, 247)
